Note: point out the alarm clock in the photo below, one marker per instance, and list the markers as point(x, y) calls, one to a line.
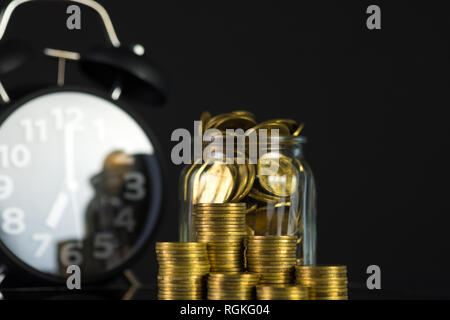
point(80, 175)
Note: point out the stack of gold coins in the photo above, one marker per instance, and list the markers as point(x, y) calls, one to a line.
point(273, 257)
point(237, 286)
point(281, 292)
point(183, 268)
point(222, 226)
point(324, 282)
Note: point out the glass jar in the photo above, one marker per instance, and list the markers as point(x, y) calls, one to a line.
point(272, 178)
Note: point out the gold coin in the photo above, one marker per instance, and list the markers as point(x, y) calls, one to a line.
point(183, 258)
point(291, 253)
point(275, 257)
point(277, 174)
point(180, 296)
point(298, 130)
point(269, 263)
point(181, 283)
point(322, 268)
point(243, 275)
point(272, 254)
point(183, 271)
point(216, 251)
point(270, 269)
point(187, 265)
point(180, 245)
point(244, 113)
point(263, 197)
point(227, 270)
point(231, 285)
point(246, 177)
point(279, 279)
point(323, 281)
point(179, 289)
point(219, 210)
point(225, 217)
point(221, 205)
point(225, 255)
point(279, 276)
point(220, 217)
point(291, 124)
point(222, 245)
point(181, 255)
point(275, 281)
point(220, 224)
point(284, 292)
point(232, 248)
point(269, 126)
point(231, 121)
point(213, 182)
point(230, 297)
point(216, 238)
point(225, 224)
point(273, 238)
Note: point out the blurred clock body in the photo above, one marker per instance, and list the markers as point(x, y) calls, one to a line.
point(80, 184)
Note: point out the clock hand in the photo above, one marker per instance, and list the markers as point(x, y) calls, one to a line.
point(71, 181)
point(70, 159)
point(58, 208)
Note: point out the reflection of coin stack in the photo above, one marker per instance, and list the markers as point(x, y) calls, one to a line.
point(182, 270)
point(282, 292)
point(324, 282)
point(273, 257)
point(222, 227)
point(237, 286)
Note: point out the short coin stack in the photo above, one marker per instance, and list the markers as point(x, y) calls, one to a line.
point(281, 292)
point(222, 227)
point(324, 282)
point(182, 270)
point(237, 286)
point(273, 258)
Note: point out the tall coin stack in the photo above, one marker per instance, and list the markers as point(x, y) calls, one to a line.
point(281, 292)
point(273, 258)
point(222, 227)
point(237, 286)
point(324, 282)
point(182, 270)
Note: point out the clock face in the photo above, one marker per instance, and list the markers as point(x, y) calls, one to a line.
point(79, 184)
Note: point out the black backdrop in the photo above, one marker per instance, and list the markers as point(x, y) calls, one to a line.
point(374, 103)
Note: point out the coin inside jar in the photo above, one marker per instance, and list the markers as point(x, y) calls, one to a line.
point(277, 174)
point(213, 183)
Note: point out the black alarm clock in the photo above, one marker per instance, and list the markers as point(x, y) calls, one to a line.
point(80, 176)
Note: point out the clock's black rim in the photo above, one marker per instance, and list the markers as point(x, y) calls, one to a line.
point(10, 259)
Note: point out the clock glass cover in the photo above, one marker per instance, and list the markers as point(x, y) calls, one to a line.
point(79, 184)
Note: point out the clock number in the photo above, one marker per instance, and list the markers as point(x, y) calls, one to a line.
point(45, 239)
point(135, 186)
point(125, 219)
point(13, 221)
point(6, 187)
point(74, 114)
point(18, 156)
point(71, 253)
point(104, 244)
point(31, 127)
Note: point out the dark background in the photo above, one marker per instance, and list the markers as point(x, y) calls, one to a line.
point(374, 103)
